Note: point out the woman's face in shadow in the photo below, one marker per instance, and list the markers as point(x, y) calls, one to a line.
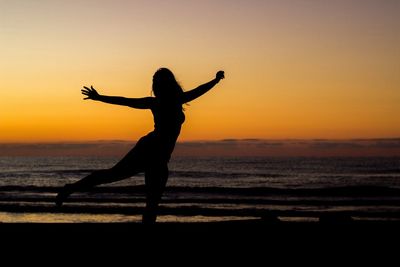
point(161, 80)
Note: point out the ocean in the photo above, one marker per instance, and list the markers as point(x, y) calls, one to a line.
point(205, 189)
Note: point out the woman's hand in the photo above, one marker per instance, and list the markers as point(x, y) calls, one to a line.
point(220, 75)
point(91, 93)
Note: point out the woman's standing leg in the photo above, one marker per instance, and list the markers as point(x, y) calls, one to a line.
point(155, 181)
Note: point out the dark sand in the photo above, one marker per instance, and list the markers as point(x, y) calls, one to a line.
point(229, 243)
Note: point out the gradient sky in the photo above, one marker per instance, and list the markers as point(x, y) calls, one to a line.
point(294, 69)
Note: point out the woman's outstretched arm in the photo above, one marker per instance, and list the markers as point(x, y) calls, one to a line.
point(140, 103)
point(202, 89)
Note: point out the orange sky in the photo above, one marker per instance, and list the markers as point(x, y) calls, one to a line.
point(294, 69)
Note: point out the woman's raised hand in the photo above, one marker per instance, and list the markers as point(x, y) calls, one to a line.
point(220, 75)
point(91, 93)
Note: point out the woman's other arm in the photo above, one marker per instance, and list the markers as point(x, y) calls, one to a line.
point(202, 89)
point(139, 103)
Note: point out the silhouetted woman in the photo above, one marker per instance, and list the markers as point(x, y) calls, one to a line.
point(152, 152)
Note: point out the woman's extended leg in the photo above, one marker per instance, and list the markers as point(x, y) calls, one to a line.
point(155, 181)
point(130, 165)
point(93, 179)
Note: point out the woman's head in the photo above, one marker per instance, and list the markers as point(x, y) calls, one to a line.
point(165, 84)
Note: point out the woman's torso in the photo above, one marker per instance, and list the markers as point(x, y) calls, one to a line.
point(168, 120)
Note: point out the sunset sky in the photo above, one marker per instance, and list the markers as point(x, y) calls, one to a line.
point(294, 69)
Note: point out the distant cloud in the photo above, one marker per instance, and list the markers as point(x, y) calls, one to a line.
point(269, 144)
point(229, 140)
point(314, 147)
point(226, 147)
point(389, 143)
point(331, 144)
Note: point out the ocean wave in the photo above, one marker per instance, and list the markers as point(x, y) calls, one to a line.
point(249, 191)
point(173, 173)
point(222, 174)
point(46, 173)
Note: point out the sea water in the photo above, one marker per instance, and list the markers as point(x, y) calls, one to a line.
point(271, 183)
